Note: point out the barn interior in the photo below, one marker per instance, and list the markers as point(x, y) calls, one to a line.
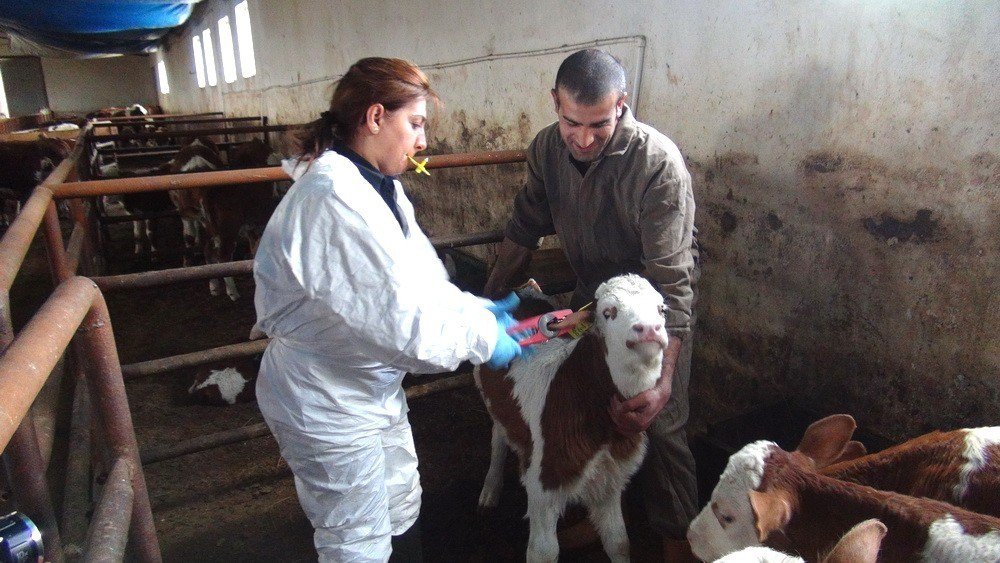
point(846, 172)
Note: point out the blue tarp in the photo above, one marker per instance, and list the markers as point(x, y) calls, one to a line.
point(94, 27)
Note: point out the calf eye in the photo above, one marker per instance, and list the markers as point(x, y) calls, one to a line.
point(610, 313)
point(727, 519)
point(663, 310)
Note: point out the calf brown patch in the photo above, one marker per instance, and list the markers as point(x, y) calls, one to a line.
point(575, 421)
point(498, 390)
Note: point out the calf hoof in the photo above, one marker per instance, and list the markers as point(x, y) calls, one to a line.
point(233, 296)
point(215, 288)
point(488, 500)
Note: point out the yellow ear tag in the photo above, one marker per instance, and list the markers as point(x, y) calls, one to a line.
point(419, 167)
point(581, 327)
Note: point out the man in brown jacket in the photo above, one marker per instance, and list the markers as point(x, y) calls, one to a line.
point(619, 196)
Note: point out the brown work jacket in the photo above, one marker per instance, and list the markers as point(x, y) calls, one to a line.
point(631, 212)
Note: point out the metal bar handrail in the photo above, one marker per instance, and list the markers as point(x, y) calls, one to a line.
point(92, 188)
point(77, 307)
point(108, 532)
point(137, 120)
point(191, 359)
point(157, 116)
point(192, 132)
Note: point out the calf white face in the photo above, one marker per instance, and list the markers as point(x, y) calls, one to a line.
point(629, 314)
point(726, 524)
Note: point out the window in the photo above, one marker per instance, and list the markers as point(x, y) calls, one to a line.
point(199, 61)
point(226, 48)
point(248, 65)
point(206, 41)
point(161, 74)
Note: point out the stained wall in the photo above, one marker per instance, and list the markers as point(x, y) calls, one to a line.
point(844, 153)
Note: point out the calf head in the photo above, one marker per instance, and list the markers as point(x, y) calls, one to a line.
point(738, 515)
point(629, 316)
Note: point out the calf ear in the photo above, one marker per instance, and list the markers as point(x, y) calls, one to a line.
point(826, 438)
point(771, 512)
point(852, 450)
point(860, 545)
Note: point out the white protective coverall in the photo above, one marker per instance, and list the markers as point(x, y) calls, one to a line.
point(352, 302)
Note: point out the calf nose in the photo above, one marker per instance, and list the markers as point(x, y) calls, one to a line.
point(647, 330)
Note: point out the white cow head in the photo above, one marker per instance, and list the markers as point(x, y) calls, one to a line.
point(629, 315)
point(728, 523)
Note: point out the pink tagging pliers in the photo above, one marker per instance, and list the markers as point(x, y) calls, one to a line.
point(538, 328)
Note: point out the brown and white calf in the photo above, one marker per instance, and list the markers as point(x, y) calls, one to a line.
point(224, 212)
point(226, 383)
point(769, 496)
point(552, 409)
point(961, 467)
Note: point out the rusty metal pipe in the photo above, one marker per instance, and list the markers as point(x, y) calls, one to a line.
point(25, 471)
point(74, 249)
point(173, 275)
point(235, 436)
point(136, 120)
point(206, 442)
point(96, 348)
point(193, 132)
point(472, 159)
point(76, 489)
point(109, 528)
point(94, 188)
point(54, 246)
point(26, 364)
point(170, 363)
point(156, 117)
point(458, 241)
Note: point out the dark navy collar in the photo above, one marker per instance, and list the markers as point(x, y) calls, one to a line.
point(368, 171)
point(384, 185)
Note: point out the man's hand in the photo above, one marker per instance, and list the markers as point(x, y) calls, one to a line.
point(636, 414)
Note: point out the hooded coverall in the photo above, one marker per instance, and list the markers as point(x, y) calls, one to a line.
point(353, 299)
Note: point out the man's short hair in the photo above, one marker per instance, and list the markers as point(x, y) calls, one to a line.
point(590, 75)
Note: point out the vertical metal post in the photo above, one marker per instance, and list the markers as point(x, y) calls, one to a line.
point(96, 345)
point(24, 465)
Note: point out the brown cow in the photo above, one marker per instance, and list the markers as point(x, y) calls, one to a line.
point(223, 211)
point(24, 165)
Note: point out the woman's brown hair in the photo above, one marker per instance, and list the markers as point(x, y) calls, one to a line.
point(393, 83)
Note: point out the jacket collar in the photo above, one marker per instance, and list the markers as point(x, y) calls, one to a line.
point(625, 131)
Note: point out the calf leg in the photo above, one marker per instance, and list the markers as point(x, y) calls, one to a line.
point(137, 238)
point(606, 514)
point(493, 484)
point(149, 238)
point(191, 239)
point(543, 545)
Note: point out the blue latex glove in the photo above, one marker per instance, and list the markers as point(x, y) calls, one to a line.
point(506, 349)
point(505, 305)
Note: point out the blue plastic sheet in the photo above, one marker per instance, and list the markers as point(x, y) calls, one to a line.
point(94, 26)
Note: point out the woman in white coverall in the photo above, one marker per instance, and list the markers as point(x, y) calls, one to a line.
point(353, 296)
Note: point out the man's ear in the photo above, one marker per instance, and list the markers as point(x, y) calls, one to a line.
point(555, 98)
point(620, 106)
point(771, 512)
point(374, 116)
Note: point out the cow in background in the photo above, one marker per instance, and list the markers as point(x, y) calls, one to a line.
point(24, 165)
point(225, 212)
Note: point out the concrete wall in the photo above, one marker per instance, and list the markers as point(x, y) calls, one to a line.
point(83, 85)
point(845, 156)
